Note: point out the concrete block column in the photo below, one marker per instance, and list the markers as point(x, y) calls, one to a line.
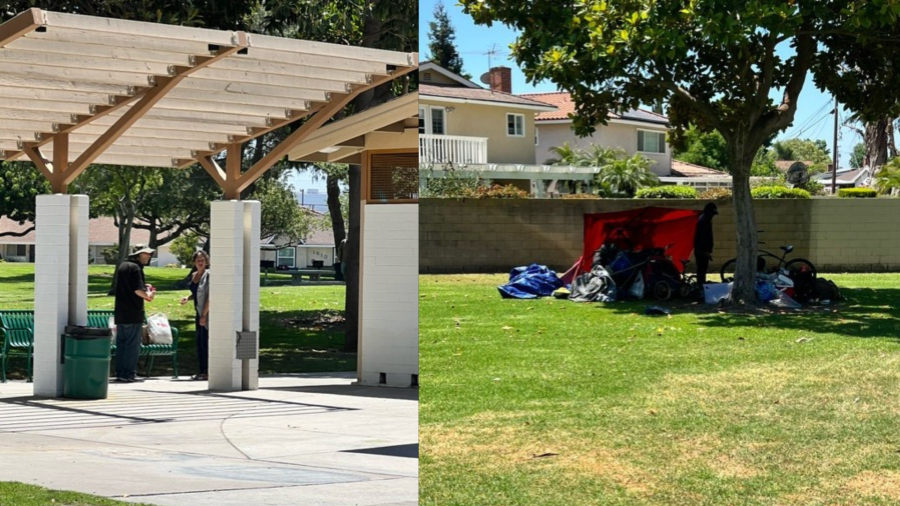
point(234, 292)
point(60, 283)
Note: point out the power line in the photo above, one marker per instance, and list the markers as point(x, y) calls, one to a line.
point(806, 124)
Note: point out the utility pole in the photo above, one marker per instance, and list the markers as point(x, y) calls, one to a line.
point(834, 167)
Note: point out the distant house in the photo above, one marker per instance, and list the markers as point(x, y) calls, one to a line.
point(103, 233)
point(846, 178)
point(461, 122)
point(316, 250)
point(635, 131)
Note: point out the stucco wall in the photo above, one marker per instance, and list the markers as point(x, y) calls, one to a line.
point(494, 236)
point(477, 120)
point(389, 321)
point(614, 135)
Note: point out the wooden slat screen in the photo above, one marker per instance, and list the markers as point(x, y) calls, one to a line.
point(394, 178)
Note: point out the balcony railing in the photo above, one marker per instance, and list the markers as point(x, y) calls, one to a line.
point(454, 149)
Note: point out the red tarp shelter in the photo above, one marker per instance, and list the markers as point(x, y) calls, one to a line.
point(638, 229)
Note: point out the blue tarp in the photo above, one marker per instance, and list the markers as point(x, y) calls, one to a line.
point(530, 283)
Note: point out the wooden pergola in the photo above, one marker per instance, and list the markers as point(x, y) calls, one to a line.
point(77, 90)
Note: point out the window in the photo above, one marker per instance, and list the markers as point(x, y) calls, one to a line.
point(422, 114)
point(287, 256)
point(651, 142)
point(515, 125)
point(537, 140)
point(437, 121)
point(21, 250)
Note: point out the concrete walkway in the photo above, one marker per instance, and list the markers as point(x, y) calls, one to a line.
point(314, 440)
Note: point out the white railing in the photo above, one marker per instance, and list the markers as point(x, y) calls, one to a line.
point(454, 149)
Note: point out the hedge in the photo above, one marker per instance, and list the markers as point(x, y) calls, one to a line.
point(667, 192)
point(857, 193)
point(778, 192)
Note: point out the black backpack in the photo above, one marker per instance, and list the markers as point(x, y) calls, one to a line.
point(804, 286)
point(825, 289)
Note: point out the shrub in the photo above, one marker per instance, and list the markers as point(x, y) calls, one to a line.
point(667, 192)
point(497, 192)
point(173, 266)
point(778, 192)
point(111, 254)
point(184, 247)
point(716, 194)
point(857, 193)
point(579, 196)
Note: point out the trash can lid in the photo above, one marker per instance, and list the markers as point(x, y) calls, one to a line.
point(81, 330)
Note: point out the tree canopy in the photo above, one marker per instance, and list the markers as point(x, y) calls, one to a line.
point(441, 45)
point(715, 63)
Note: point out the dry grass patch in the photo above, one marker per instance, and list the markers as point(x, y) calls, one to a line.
point(883, 484)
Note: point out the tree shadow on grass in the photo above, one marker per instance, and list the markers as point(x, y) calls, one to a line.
point(21, 278)
point(866, 313)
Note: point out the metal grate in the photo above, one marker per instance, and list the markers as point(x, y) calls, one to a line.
point(246, 345)
point(394, 178)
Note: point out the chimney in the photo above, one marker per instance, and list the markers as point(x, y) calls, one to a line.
point(501, 79)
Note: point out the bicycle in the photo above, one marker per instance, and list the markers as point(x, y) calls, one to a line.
point(665, 280)
point(793, 267)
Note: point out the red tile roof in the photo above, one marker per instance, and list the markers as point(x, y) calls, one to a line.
point(684, 169)
point(426, 90)
point(565, 106)
point(101, 231)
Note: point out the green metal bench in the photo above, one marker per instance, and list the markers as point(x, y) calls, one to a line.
point(17, 331)
point(100, 318)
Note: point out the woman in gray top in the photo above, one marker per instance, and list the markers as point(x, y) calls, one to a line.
point(200, 295)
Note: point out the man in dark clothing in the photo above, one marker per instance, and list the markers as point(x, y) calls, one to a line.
point(703, 241)
point(131, 292)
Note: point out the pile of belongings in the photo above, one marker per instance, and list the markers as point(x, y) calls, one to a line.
point(616, 274)
point(793, 289)
point(530, 282)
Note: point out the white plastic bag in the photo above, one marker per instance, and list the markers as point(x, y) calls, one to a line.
point(112, 326)
point(158, 326)
point(714, 292)
point(636, 289)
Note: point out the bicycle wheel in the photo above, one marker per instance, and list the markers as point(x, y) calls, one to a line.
point(662, 290)
point(800, 265)
point(727, 271)
point(688, 287)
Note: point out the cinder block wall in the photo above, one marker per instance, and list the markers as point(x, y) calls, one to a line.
point(496, 235)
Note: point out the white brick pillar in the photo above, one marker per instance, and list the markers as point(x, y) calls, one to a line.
point(234, 292)
point(60, 283)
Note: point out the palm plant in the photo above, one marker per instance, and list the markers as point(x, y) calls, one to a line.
point(624, 177)
point(565, 155)
point(888, 177)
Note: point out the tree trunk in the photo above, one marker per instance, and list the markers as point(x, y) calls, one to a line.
point(877, 139)
point(743, 292)
point(126, 216)
point(334, 208)
point(351, 255)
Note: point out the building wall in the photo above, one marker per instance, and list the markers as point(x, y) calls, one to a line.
point(389, 322)
point(306, 255)
point(476, 120)
point(613, 135)
point(494, 236)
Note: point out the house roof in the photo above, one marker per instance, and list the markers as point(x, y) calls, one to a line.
point(784, 165)
point(101, 231)
point(479, 95)
point(844, 176)
point(320, 238)
point(565, 106)
point(431, 65)
point(684, 169)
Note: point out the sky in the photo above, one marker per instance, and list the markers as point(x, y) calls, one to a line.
point(812, 120)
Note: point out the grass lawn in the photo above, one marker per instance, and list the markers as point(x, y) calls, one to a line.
point(300, 326)
point(19, 494)
point(550, 402)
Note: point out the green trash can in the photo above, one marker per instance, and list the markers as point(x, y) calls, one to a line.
point(86, 366)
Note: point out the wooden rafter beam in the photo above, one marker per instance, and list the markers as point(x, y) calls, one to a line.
point(35, 155)
point(312, 124)
point(146, 102)
point(216, 172)
point(24, 22)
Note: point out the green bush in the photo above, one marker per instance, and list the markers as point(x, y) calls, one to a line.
point(184, 247)
point(667, 192)
point(579, 196)
point(497, 192)
point(716, 194)
point(111, 254)
point(857, 193)
point(778, 192)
